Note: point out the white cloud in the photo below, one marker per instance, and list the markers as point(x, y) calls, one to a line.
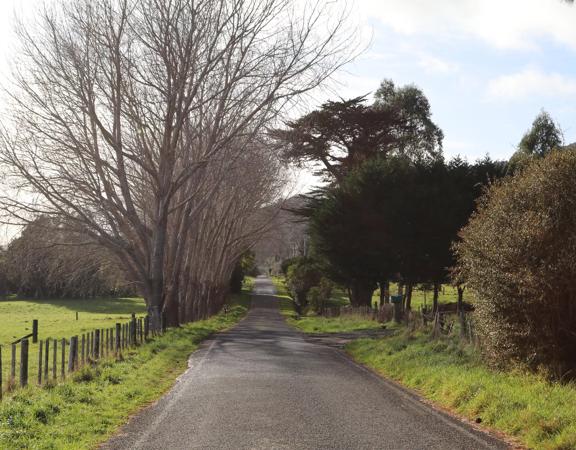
point(433, 64)
point(529, 83)
point(506, 24)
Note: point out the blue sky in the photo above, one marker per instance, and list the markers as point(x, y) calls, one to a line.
point(487, 66)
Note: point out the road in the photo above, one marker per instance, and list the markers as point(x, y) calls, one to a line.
point(262, 385)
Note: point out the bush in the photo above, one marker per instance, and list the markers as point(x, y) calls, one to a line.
point(319, 296)
point(518, 253)
point(303, 274)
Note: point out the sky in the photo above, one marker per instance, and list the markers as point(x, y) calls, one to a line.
point(487, 66)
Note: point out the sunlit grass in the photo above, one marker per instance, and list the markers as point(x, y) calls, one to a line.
point(540, 414)
point(87, 408)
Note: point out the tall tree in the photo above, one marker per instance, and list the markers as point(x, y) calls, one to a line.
point(543, 136)
point(126, 114)
point(342, 135)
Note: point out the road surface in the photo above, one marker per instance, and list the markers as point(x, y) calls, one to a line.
point(262, 385)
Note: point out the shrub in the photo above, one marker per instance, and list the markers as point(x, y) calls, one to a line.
point(302, 275)
point(319, 296)
point(518, 253)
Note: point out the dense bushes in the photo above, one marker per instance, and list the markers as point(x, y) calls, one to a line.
point(518, 254)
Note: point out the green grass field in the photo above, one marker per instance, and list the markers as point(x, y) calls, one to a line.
point(57, 319)
point(540, 414)
point(91, 404)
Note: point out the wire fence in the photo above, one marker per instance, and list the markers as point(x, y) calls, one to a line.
point(57, 358)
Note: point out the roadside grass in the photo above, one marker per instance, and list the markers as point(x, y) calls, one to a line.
point(343, 324)
point(57, 319)
point(540, 414)
point(92, 403)
point(316, 324)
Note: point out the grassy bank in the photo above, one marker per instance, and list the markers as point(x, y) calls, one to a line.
point(315, 324)
point(542, 415)
point(95, 401)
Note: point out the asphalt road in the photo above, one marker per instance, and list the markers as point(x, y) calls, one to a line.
point(262, 385)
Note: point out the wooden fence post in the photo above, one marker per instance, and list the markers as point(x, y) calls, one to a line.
point(97, 343)
point(40, 363)
point(117, 346)
point(83, 349)
point(23, 362)
point(54, 359)
point(133, 328)
point(34, 331)
point(63, 360)
point(13, 364)
point(72, 353)
point(46, 358)
point(146, 327)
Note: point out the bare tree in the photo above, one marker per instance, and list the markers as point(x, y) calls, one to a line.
point(122, 109)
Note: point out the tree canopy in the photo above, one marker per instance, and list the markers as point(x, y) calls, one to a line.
point(342, 135)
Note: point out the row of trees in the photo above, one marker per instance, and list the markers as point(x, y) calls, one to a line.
point(394, 210)
point(139, 127)
point(391, 206)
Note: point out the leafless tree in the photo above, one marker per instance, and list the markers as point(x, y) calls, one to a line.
point(126, 112)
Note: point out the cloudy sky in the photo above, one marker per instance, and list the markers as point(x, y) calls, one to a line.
point(487, 66)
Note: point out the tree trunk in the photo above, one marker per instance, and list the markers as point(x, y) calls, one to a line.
point(361, 293)
point(156, 300)
point(435, 297)
point(409, 287)
point(460, 304)
point(384, 292)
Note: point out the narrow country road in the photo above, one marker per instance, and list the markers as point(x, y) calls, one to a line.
point(262, 385)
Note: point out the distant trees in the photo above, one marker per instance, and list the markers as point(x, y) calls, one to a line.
point(544, 136)
point(518, 255)
point(140, 126)
point(45, 263)
point(342, 135)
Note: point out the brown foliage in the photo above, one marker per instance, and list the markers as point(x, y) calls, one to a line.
point(518, 254)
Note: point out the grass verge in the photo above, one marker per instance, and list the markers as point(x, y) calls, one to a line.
point(540, 414)
point(86, 409)
point(316, 324)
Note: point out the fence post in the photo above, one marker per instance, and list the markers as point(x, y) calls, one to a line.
point(97, 344)
point(13, 364)
point(34, 331)
point(46, 358)
point(146, 327)
point(117, 336)
point(133, 326)
point(55, 359)
point(0, 372)
point(83, 350)
point(72, 353)
point(62, 362)
point(23, 362)
point(40, 363)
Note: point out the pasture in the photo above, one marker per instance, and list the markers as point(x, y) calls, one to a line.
point(57, 319)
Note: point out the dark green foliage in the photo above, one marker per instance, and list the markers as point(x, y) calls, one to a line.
point(394, 218)
point(246, 266)
point(303, 274)
point(320, 295)
point(341, 136)
point(518, 254)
